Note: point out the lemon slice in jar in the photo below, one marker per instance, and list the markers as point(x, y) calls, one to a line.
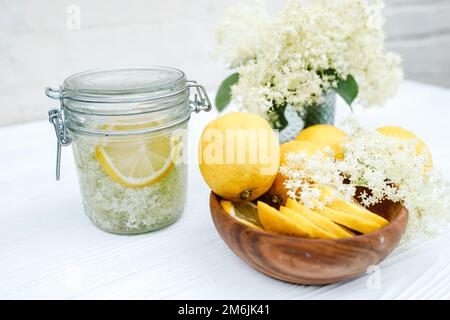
point(139, 161)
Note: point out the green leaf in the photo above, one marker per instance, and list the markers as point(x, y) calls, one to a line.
point(223, 96)
point(347, 89)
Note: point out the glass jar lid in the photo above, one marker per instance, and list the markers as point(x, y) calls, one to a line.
point(119, 90)
point(124, 84)
point(92, 102)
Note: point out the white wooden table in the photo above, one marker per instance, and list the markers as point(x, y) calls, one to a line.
point(49, 249)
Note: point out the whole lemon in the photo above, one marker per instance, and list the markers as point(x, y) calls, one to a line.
point(324, 135)
point(277, 194)
point(239, 156)
point(401, 133)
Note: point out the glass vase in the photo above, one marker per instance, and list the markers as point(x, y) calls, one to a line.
point(319, 113)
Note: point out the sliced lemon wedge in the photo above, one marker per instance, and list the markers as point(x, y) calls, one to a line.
point(139, 162)
point(245, 212)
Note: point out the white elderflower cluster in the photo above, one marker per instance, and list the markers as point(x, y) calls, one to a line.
point(306, 173)
point(295, 57)
point(390, 168)
point(243, 33)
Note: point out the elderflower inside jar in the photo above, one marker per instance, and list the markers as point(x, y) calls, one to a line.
point(128, 130)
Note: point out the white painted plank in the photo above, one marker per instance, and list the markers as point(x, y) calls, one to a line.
point(49, 249)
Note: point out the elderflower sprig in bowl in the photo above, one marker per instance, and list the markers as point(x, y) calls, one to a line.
point(388, 168)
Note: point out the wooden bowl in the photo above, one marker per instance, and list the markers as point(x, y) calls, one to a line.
point(310, 261)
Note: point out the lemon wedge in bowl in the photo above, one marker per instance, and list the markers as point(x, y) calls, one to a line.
point(245, 212)
point(137, 163)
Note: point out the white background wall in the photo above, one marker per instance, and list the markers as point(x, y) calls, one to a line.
point(38, 49)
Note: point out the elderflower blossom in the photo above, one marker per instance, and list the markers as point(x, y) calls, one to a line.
point(321, 169)
point(389, 167)
point(287, 59)
point(237, 47)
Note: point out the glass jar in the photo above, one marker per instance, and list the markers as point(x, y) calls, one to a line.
point(128, 129)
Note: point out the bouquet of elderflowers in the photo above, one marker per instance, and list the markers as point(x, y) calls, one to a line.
point(390, 168)
point(309, 50)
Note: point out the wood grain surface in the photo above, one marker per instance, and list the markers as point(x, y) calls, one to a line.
point(310, 261)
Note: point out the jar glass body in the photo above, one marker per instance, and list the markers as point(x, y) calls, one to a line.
point(117, 207)
point(128, 129)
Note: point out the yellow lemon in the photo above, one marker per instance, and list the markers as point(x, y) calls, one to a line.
point(313, 229)
point(277, 193)
point(352, 207)
point(325, 135)
point(288, 222)
point(348, 220)
point(239, 156)
point(401, 133)
point(321, 221)
point(276, 222)
point(139, 162)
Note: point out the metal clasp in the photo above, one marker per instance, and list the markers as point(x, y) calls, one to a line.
point(55, 117)
point(201, 100)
